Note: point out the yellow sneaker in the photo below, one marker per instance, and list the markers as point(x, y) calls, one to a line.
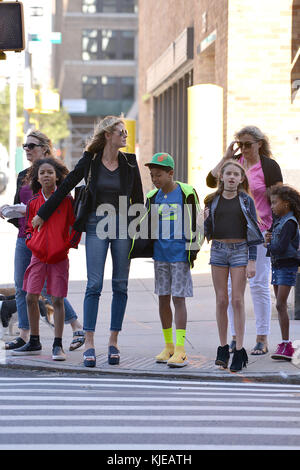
point(165, 355)
point(179, 358)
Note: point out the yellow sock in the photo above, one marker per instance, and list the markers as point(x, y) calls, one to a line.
point(168, 335)
point(180, 337)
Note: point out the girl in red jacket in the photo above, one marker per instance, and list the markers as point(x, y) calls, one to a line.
point(50, 246)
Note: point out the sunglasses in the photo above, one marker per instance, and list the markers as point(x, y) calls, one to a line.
point(247, 145)
point(31, 146)
point(123, 133)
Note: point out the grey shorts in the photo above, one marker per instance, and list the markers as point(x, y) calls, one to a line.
point(229, 254)
point(173, 279)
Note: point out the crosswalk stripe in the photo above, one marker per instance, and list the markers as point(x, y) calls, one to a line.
point(127, 399)
point(181, 393)
point(156, 418)
point(125, 407)
point(102, 380)
point(73, 430)
point(151, 447)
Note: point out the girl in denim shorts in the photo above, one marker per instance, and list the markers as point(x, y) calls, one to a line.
point(231, 224)
point(282, 245)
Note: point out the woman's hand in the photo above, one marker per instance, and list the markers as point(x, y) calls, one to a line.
point(37, 222)
point(251, 269)
point(1, 208)
point(230, 152)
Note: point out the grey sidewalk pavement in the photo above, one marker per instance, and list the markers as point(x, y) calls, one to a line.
point(141, 338)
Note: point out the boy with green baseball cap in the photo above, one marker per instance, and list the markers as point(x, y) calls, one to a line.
point(174, 252)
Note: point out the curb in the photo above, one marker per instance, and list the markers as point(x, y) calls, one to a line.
point(279, 378)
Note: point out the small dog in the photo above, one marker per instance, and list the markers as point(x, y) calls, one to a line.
point(9, 316)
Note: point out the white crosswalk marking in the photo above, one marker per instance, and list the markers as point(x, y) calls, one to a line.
point(144, 414)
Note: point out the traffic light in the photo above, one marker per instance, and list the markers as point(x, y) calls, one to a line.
point(11, 26)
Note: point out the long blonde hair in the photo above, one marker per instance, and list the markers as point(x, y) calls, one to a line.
point(97, 142)
point(243, 186)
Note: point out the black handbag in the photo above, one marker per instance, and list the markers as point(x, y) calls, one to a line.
point(82, 196)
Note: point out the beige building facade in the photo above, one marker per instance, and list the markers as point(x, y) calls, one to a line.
point(209, 67)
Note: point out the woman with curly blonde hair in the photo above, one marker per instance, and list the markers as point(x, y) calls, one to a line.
point(113, 174)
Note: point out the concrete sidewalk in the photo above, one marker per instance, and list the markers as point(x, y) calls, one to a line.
point(141, 338)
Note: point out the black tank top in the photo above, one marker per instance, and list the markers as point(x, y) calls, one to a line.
point(229, 220)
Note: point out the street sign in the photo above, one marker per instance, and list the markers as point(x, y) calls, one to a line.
point(55, 37)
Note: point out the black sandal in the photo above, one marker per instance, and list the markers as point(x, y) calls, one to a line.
point(113, 355)
point(15, 344)
point(261, 349)
point(78, 340)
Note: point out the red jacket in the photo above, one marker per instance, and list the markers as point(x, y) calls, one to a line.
point(52, 243)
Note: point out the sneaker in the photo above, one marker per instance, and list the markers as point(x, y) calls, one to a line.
point(28, 349)
point(284, 352)
point(58, 354)
point(166, 354)
point(179, 358)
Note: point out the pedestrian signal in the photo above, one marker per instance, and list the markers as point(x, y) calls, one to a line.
point(11, 26)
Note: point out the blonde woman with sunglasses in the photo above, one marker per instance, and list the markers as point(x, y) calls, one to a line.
point(113, 176)
point(251, 148)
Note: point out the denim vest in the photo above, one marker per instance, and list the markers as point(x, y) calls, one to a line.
point(254, 235)
point(292, 248)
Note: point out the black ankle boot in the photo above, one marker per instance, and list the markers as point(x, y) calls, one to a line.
point(223, 356)
point(239, 360)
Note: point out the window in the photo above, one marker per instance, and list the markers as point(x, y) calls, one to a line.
point(108, 44)
point(89, 87)
point(109, 6)
point(108, 88)
point(127, 88)
point(89, 6)
point(127, 38)
point(89, 44)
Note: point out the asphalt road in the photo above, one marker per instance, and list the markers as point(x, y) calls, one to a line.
point(51, 412)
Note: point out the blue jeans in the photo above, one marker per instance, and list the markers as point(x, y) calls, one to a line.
point(22, 261)
point(96, 252)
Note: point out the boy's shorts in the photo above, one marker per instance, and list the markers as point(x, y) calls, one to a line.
point(57, 276)
point(173, 279)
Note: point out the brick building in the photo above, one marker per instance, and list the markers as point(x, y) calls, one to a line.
point(209, 67)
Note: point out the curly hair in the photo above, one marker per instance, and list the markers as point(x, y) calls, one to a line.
point(33, 173)
point(287, 194)
point(243, 186)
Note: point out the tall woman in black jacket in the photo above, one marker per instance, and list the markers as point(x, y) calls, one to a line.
point(252, 149)
point(113, 174)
